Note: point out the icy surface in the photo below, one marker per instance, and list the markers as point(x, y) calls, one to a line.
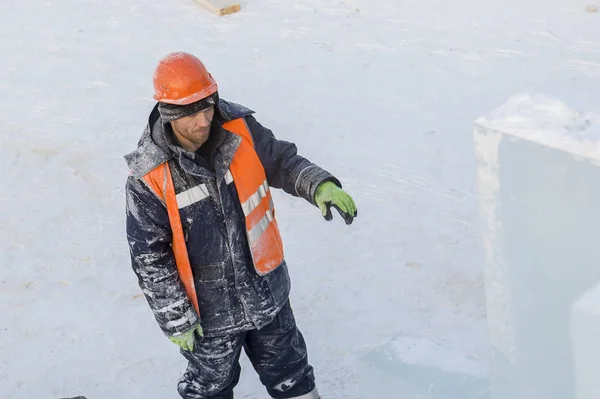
point(412, 367)
point(383, 94)
point(428, 353)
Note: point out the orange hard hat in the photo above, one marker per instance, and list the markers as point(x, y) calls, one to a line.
point(181, 78)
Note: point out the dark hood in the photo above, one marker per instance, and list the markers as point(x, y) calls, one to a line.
point(154, 145)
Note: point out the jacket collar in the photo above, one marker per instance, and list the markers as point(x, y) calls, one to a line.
point(155, 147)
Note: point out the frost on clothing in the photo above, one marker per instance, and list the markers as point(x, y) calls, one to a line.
point(231, 295)
point(277, 352)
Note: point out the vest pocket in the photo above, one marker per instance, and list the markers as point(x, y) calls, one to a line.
point(210, 273)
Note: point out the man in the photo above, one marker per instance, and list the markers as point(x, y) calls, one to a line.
point(204, 239)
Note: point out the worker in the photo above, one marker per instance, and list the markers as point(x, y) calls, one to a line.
point(204, 239)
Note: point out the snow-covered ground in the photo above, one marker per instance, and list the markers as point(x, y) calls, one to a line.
point(383, 94)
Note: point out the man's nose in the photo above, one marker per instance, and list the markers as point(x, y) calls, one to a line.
point(202, 120)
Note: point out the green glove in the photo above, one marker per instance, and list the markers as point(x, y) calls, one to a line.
point(328, 194)
point(187, 339)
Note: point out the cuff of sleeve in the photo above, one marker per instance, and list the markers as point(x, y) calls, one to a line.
point(310, 178)
point(179, 326)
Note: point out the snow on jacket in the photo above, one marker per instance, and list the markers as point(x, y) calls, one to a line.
point(231, 295)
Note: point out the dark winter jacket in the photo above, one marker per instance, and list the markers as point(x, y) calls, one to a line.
point(231, 295)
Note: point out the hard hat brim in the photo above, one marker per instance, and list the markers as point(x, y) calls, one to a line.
point(210, 90)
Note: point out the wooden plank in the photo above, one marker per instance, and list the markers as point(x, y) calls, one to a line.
point(220, 7)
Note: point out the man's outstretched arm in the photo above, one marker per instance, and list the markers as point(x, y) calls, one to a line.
point(297, 176)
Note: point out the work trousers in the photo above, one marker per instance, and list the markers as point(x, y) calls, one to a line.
point(277, 352)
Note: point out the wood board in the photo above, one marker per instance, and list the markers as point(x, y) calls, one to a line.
point(220, 7)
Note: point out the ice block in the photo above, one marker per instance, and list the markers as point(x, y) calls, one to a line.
point(585, 329)
point(539, 190)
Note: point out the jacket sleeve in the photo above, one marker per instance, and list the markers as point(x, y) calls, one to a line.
point(153, 261)
point(285, 169)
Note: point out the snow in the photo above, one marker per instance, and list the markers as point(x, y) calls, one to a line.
point(383, 95)
point(549, 122)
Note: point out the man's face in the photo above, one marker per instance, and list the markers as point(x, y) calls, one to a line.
point(192, 131)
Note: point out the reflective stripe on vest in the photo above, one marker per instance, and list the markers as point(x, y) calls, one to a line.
point(248, 175)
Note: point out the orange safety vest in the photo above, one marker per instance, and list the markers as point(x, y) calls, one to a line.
point(253, 191)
